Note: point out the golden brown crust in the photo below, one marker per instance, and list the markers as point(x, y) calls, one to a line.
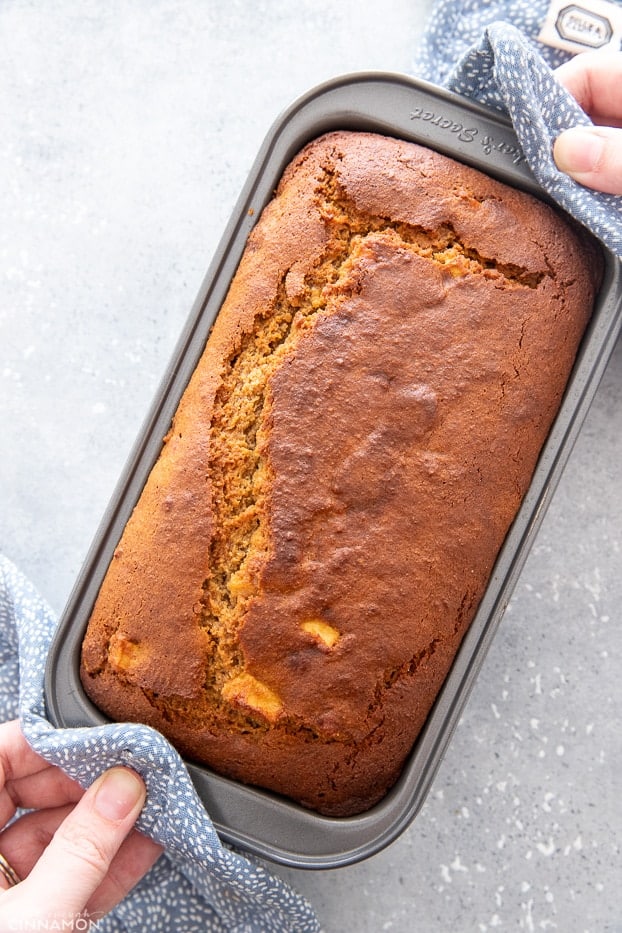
point(315, 538)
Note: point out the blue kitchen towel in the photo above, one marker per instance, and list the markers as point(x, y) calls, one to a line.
point(199, 885)
point(490, 53)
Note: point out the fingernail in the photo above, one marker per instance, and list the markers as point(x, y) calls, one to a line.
point(119, 792)
point(578, 151)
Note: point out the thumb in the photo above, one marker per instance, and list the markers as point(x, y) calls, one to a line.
point(592, 155)
point(78, 857)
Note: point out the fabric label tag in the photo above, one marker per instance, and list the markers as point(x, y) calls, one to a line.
point(579, 27)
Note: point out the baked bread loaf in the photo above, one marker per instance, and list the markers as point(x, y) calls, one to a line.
point(312, 544)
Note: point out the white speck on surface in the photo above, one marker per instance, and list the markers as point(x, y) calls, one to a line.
point(548, 797)
point(457, 865)
point(527, 910)
point(546, 848)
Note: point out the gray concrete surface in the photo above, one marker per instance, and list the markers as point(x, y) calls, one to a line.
point(126, 132)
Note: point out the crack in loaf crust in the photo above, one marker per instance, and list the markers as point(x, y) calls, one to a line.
point(315, 538)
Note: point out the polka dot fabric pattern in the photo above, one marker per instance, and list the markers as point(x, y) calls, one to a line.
point(198, 884)
point(490, 54)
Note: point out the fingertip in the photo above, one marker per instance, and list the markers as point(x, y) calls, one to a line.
point(592, 156)
point(118, 793)
point(578, 151)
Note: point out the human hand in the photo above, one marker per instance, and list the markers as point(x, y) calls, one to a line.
point(592, 155)
point(76, 851)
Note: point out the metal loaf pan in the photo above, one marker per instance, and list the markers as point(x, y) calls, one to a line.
point(399, 106)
